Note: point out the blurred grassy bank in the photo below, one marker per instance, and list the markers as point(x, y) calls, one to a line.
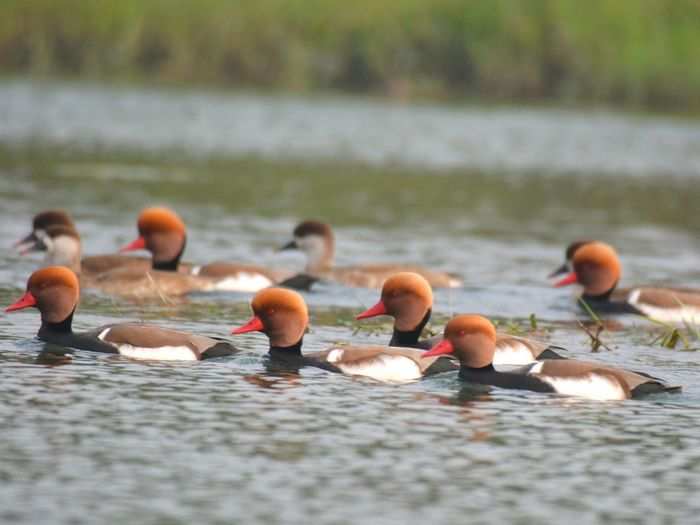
point(637, 53)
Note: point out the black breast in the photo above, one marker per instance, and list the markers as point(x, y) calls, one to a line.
point(511, 380)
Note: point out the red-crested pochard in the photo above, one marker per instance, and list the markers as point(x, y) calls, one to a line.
point(472, 340)
point(46, 228)
point(55, 292)
point(163, 233)
point(282, 315)
point(408, 298)
point(40, 222)
point(597, 268)
point(54, 232)
point(565, 268)
point(62, 246)
point(317, 241)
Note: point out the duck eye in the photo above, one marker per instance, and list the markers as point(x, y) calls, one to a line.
point(462, 333)
point(270, 311)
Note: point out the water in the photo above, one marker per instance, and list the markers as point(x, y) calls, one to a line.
point(105, 439)
point(205, 124)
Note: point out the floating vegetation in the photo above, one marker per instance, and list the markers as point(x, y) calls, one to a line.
point(521, 327)
point(598, 328)
point(670, 336)
point(533, 322)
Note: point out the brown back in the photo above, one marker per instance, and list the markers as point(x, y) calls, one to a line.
point(148, 336)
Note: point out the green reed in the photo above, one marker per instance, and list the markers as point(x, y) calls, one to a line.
point(638, 53)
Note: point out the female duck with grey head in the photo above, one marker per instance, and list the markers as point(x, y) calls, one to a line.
point(316, 240)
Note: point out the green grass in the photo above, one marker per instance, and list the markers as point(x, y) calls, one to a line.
point(639, 53)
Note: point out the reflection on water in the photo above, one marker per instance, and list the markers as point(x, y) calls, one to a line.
point(229, 440)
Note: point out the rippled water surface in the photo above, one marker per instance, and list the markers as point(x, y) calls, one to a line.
point(492, 195)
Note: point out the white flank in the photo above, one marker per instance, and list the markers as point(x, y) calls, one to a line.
point(334, 355)
point(384, 367)
point(454, 283)
point(680, 314)
point(161, 353)
point(591, 386)
point(512, 354)
point(243, 282)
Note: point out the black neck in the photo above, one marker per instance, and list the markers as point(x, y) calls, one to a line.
point(172, 264)
point(488, 369)
point(605, 296)
point(286, 351)
point(410, 337)
point(62, 327)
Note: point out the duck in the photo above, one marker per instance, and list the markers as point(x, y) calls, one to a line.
point(565, 268)
point(49, 222)
point(282, 315)
point(163, 233)
point(62, 245)
point(238, 277)
point(40, 222)
point(61, 242)
point(53, 225)
point(55, 292)
point(408, 298)
point(596, 266)
point(316, 240)
point(472, 340)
